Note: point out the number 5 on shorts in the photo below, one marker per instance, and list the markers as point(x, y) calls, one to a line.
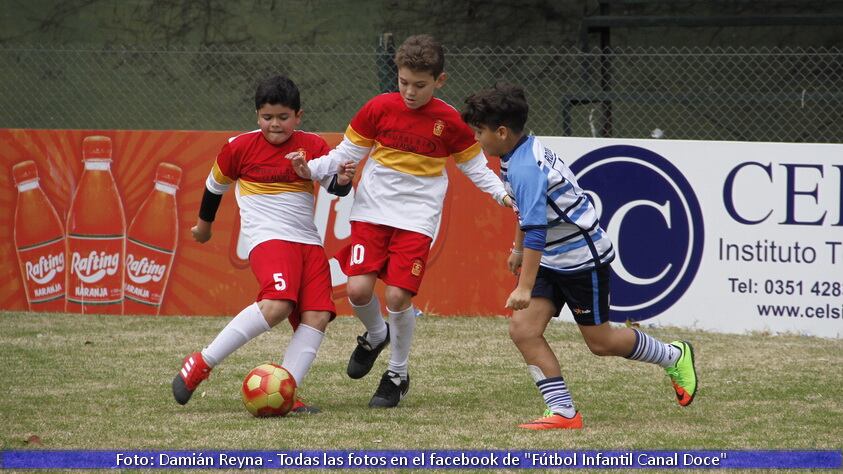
point(358, 253)
point(280, 284)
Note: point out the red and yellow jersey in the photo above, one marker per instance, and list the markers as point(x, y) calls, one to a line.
point(413, 141)
point(404, 183)
point(274, 202)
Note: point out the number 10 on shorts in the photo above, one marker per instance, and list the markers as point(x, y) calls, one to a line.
point(358, 253)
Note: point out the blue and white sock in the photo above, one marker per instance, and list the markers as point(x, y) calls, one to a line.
point(556, 396)
point(649, 349)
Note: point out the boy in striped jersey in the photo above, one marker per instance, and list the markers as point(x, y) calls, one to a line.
point(408, 136)
point(561, 256)
point(285, 249)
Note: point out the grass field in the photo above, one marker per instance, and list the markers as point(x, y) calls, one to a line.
point(87, 382)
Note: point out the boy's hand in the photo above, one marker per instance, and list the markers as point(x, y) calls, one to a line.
point(507, 201)
point(514, 262)
point(299, 164)
point(201, 231)
point(345, 172)
point(519, 299)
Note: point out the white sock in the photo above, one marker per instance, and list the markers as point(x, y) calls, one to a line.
point(302, 351)
point(247, 325)
point(402, 324)
point(536, 373)
point(370, 315)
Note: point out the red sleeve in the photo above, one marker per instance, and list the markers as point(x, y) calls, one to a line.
point(227, 166)
point(364, 122)
point(461, 143)
point(316, 147)
point(322, 148)
point(462, 138)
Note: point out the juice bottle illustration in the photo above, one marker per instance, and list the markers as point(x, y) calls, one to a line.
point(39, 238)
point(151, 244)
point(96, 231)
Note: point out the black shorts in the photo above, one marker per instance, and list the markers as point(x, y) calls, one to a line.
point(586, 293)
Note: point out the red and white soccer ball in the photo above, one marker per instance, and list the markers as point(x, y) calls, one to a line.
point(269, 390)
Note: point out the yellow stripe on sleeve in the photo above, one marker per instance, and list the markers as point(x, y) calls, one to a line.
point(219, 177)
point(358, 139)
point(467, 154)
point(250, 187)
point(410, 163)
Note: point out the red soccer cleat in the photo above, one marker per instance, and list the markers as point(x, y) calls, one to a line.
point(192, 373)
point(301, 408)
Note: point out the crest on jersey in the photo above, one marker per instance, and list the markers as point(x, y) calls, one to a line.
point(303, 153)
point(416, 270)
point(438, 127)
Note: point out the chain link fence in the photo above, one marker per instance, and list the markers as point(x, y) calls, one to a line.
point(780, 95)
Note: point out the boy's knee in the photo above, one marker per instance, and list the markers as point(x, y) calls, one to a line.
point(600, 348)
point(275, 311)
point(397, 299)
point(515, 333)
point(316, 319)
point(521, 333)
point(359, 294)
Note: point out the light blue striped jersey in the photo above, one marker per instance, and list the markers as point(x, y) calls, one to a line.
point(553, 211)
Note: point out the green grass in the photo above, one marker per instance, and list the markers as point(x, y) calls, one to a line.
point(102, 382)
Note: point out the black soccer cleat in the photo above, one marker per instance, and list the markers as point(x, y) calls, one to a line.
point(391, 390)
point(364, 356)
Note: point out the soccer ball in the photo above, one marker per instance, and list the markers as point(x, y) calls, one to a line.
point(269, 390)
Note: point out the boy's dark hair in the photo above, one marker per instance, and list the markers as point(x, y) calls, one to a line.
point(503, 104)
point(421, 53)
point(277, 90)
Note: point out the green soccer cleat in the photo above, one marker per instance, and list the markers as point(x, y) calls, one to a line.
point(683, 374)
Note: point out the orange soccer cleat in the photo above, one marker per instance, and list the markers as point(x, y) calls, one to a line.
point(554, 421)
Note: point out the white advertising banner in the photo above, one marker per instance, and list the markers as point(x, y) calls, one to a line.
point(722, 236)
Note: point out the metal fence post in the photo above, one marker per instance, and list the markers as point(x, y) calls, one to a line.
point(387, 71)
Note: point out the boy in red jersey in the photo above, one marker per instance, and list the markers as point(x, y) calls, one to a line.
point(285, 249)
point(408, 136)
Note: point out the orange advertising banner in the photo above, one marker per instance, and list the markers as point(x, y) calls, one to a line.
point(111, 234)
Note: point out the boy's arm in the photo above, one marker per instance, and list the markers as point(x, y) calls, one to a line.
point(517, 253)
point(521, 295)
point(530, 187)
point(355, 145)
point(484, 178)
point(340, 183)
point(327, 165)
point(533, 247)
point(207, 213)
point(215, 186)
